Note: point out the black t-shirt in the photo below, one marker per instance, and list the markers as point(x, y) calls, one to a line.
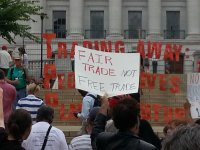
point(6, 144)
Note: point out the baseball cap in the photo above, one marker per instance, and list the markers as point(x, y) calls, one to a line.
point(4, 47)
point(16, 55)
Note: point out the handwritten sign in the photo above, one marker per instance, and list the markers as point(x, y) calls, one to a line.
point(100, 72)
point(193, 93)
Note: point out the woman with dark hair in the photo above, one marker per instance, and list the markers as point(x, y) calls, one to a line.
point(18, 129)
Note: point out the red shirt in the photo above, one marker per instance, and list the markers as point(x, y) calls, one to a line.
point(9, 96)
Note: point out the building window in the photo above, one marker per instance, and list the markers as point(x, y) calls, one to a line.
point(134, 25)
point(173, 26)
point(174, 67)
point(97, 25)
point(59, 23)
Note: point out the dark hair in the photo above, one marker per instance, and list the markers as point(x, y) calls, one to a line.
point(175, 123)
point(2, 75)
point(45, 113)
point(18, 122)
point(136, 96)
point(82, 92)
point(92, 115)
point(22, 50)
point(147, 134)
point(165, 129)
point(125, 114)
point(184, 138)
point(197, 121)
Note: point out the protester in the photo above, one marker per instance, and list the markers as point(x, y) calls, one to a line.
point(125, 115)
point(146, 64)
point(18, 77)
point(146, 132)
point(9, 95)
point(185, 137)
point(24, 57)
point(31, 103)
point(172, 125)
point(5, 59)
point(19, 127)
point(55, 138)
point(83, 142)
point(87, 104)
point(110, 127)
point(167, 67)
point(12, 64)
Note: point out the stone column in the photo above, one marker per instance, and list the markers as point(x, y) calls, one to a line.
point(115, 17)
point(154, 15)
point(193, 18)
point(36, 25)
point(76, 17)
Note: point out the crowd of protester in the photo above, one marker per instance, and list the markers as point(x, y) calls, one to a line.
point(107, 123)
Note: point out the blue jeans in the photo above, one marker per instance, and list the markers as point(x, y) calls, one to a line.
point(21, 93)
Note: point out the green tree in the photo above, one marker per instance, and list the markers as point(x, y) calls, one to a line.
point(13, 14)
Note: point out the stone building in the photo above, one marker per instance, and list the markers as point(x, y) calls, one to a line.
point(165, 21)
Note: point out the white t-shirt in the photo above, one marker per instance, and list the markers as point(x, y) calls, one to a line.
point(56, 139)
point(5, 59)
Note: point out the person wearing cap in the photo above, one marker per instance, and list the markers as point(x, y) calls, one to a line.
point(17, 76)
point(5, 59)
point(31, 103)
point(84, 141)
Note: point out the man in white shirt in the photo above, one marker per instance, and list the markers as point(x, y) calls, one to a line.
point(56, 138)
point(5, 59)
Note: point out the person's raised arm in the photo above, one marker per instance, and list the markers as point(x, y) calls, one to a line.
point(100, 121)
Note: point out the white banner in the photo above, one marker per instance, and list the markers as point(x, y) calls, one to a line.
point(99, 72)
point(193, 93)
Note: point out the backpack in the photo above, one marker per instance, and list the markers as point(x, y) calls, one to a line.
point(97, 100)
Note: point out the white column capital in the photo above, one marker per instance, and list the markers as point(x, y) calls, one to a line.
point(115, 17)
point(36, 25)
point(154, 15)
point(76, 17)
point(193, 15)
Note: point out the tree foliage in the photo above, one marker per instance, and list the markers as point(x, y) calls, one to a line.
point(13, 15)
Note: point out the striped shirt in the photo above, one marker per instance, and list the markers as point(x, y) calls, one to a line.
point(31, 104)
point(82, 142)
